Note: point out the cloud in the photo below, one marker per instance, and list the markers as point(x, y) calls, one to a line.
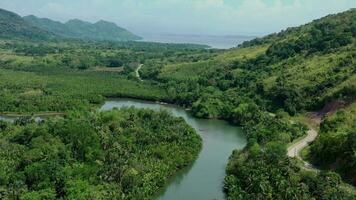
point(254, 17)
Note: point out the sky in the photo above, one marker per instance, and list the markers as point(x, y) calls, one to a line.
point(198, 17)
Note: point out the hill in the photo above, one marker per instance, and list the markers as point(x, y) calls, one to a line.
point(102, 30)
point(266, 85)
point(298, 69)
point(13, 26)
point(48, 24)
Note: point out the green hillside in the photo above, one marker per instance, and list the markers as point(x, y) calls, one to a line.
point(49, 25)
point(335, 148)
point(265, 85)
point(297, 69)
point(13, 26)
point(109, 30)
point(75, 28)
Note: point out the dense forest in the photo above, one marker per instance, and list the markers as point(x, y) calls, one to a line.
point(119, 154)
point(265, 85)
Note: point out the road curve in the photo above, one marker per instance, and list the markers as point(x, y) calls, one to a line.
point(137, 72)
point(295, 149)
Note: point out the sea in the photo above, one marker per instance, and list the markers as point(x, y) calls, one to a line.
point(217, 42)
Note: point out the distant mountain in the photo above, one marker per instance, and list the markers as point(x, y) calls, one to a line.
point(48, 24)
point(75, 28)
point(13, 26)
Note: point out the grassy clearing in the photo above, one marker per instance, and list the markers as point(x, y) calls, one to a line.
point(243, 53)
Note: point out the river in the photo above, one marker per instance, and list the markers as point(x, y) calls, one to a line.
point(204, 179)
point(12, 119)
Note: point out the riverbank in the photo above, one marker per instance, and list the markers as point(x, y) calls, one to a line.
point(39, 114)
point(204, 178)
point(124, 154)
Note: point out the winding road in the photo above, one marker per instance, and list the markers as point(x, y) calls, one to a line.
point(137, 72)
point(294, 150)
point(314, 122)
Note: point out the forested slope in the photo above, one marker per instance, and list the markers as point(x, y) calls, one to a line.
point(335, 148)
point(297, 70)
point(301, 68)
point(13, 26)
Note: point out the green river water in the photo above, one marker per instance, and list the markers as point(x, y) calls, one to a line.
point(203, 180)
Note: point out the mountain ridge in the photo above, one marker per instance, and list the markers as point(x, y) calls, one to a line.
point(32, 27)
point(13, 25)
point(79, 29)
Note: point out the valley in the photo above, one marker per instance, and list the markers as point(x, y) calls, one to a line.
point(222, 132)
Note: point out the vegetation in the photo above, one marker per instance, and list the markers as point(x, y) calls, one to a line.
point(120, 154)
point(299, 69)
point(296, 78)
point(12, 25)
point(335, 148)
point(126, 154)
point(262, 170)
point(269, 174)
point(30, 92)
point(61, 76)
point(260, 85)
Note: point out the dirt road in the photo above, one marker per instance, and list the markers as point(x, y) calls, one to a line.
point(295, 149)
point(137, 72)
